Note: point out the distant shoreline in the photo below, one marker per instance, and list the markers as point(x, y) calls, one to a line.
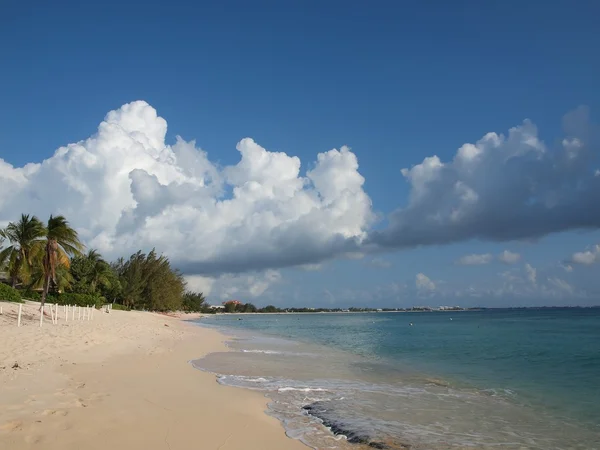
point(516, 308)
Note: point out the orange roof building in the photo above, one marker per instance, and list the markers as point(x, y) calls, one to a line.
point(234, 302)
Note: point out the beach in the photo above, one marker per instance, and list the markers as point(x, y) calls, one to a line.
point(121, 380)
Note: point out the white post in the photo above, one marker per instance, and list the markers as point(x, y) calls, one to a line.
point(89, 313)
point(19, 319)
point(0, 309)
point(73, 309)
point(55, 313)
point(66, 313)
point(79, 314)
point(42, 315)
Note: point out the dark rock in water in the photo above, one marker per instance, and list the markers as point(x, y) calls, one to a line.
point(320, 410)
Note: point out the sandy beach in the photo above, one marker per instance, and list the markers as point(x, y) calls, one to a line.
point(121, 381)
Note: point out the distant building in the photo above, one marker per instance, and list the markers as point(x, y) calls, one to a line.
point(232, 302)
point(217, 307)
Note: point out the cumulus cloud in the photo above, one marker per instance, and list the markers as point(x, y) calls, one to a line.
point(124, 189)
point(475, 259)
point(423, 283)
point(244, 287)
point(531, 273)
point(567, 267)
point(501, 188)
point(587, 257)
point(508, 257)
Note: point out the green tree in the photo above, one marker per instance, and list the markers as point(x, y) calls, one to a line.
point(112, 290)
point(249, 308)
point(90, 273)
point(61, 242)
point(230, 307)
point(193, 302)
point(149, 282)
point(25, 239)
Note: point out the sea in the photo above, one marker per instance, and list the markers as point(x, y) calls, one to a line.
point(490, 379)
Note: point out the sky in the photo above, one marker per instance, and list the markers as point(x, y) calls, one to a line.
point(304, 153)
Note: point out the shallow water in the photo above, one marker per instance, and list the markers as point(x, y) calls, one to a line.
point(524, 379)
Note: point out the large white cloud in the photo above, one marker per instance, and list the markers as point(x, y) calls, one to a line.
point(502, 188)
point(124, 189)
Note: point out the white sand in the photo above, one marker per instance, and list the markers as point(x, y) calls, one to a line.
point(121, 381)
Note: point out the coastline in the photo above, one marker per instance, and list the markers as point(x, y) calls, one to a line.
point(123, 380)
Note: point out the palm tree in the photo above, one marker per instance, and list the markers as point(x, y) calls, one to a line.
point(25, 241)
point(101, 271)
point(61, 242)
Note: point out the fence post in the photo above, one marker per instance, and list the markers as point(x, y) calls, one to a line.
point(42, 315)
point(19, 319)
point(79, 313)
point(73, 309)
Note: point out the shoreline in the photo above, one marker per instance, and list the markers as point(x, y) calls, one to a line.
point(123, 380)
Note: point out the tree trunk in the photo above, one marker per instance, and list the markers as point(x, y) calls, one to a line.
point(47, 278)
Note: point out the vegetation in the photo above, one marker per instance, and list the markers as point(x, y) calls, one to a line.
point(193, 302)
point(24, 237)
point(47, 262)
point(9, 294)
point(149, 282)
point(61, 241)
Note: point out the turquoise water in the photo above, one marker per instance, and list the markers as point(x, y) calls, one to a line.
point(450, 380)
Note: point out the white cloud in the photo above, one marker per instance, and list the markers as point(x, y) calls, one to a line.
point(561, 285)
point(531, 273)
point(124, 189)
point(198, 283)
point(245, 287)
point(587, 257)
point(501, 188)
point(475, 259)
point(423, 283)
point(508, 257)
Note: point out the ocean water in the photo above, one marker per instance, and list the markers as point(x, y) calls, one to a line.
point(511, 379)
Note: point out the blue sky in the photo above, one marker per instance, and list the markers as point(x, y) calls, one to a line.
point(395, 81)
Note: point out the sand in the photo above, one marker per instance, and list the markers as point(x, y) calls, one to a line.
point(121, 381)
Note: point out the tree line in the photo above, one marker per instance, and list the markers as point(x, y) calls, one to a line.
point(48, 260)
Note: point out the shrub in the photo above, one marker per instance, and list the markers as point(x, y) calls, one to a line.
point(71, 298)
point(8, 294)
point(31, 295)
point(120, 307)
